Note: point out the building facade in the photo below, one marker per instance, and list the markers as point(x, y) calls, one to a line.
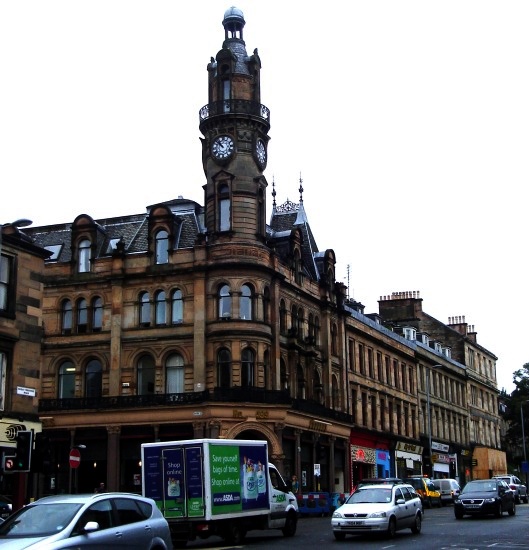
point(206, 321)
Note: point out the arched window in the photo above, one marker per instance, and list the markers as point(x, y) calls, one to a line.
point(317, 330)
point(82, 315)
point(84, 256)
point(317, 389)
point(224, 302)
point(177, 307)
point(66, 312)
point(335, 394)
point(311, 328)
point(334, 339)
point(300, 323)
point(224, 368)
point(282, 317)
point(66, 380)
point(297, 267)
point(248, 368)
point(283, 373)
point(224, 208)
point(245, 304)
point(159, 307)
point(161, 247)
point(294, 320)
point(268, 384)
point(300, 380)
point(97, 313)
point(146, 374)
point(266, 304)
point(145, 309)
point(174, 374)
point(93, 379)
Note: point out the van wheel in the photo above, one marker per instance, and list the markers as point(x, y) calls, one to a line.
point(291, 523)
point(234, 534)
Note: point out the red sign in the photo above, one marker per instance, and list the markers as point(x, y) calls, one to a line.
point(75, 458)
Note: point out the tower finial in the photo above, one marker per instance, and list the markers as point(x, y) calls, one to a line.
point(273, 191)
point(300, 189)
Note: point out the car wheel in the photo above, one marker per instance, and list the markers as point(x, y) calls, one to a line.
point(458, 515)
point(338, 535)
point(512, 511)
point(392, 527)
point(429, 502)
point(417, 524)
point(439, 503)
point(499, 510)
point(526, 499)
point(291, 523)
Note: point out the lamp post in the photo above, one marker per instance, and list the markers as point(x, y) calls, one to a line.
point(428, 409)
point(524, 464)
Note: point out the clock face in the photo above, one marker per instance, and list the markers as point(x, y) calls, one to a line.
point(260, 151)
point(222, 147)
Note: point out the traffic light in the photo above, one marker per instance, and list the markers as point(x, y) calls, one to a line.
point(41, 460)
point(24, 450)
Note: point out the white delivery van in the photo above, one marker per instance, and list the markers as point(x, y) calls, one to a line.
point(223, 487)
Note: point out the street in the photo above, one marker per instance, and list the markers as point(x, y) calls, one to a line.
point(440, 531)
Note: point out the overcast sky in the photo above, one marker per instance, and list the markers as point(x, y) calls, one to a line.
point(408, 122)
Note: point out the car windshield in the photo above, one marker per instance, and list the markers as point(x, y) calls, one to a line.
point(39, 520)
point(369, 494)
point(480, 486)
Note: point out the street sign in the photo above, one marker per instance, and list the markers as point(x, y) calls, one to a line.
point(75, 458)
point(317, 470)
point(8, 463)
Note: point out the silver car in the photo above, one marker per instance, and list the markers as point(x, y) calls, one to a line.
point(379, 509)
point(520, 490)
point(80, 521)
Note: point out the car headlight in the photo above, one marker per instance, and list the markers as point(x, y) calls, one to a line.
point(491, 499)
point(337, 514)
point(377, 515)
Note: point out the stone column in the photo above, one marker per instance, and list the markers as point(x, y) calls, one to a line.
point(113, 458)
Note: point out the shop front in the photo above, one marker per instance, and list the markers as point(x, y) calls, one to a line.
point(370, 457)
point(408, 459)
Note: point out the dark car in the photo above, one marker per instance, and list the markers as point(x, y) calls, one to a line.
point(6, 507)
point(485, 497)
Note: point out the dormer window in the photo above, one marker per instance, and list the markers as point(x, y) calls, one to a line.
point(84, 256)
point(162, 247)
point(410, 333)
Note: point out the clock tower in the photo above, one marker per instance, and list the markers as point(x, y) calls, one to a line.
point(235, 127)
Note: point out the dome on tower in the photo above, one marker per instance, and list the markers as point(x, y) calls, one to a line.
point(233, 20)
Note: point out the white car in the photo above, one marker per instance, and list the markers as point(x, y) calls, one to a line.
point(379, 509)
point(520, 490)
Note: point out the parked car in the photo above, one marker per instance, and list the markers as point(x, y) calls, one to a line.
point(425, 488)
point(449, 489)
point(80, 521)
point(487, 496)
point(520, 490)
point(382, 508)
point(6, 507)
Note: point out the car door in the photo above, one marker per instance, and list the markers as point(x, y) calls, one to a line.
point(134, 526)
point(402, 511)
point(104, 537)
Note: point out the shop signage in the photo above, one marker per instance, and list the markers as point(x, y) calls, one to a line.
point(408, 447)
point(363, 454)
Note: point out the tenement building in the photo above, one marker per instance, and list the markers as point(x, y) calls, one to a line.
point(213, 320)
